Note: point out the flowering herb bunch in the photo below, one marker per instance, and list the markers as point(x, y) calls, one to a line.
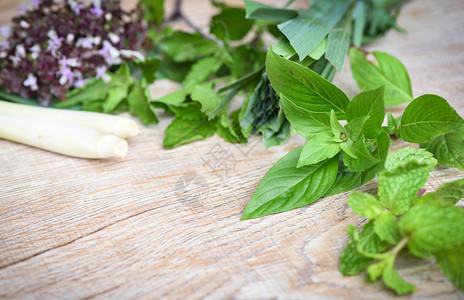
point(55, 46)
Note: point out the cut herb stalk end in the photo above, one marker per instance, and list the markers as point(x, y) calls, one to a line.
point(105, 123)
point(63, 138)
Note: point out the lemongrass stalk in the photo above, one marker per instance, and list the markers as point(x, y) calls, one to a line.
point(63, 138)
point(105, 123)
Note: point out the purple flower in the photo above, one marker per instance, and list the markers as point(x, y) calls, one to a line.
point(54, 42)
point(67, 76)
point(31, 82)
point(20, 51)
point(16, 60)
point(5, 31)
point(114, 38)
point(100, 71)
point(5, 45)
point(109, 53)
point(35, 50)
point(24, 24)
point(85, 42)
point(96, 11)
point(36, 3)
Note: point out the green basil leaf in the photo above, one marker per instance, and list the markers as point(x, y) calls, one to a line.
point(447, 194)
point(303, 87)
point(182, 46)
point(286, 187)
point(338, 42)
point(207, 97)
point(230, 24)
point(317, 149)
point(318, 20)
point(368, 103)
point(426, 117)
point(448, 148)
point(364, 160)
point(433, 228)
point(389, 72)
point(364, 205)
point(138, 100)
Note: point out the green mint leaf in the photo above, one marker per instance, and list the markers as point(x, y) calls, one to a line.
point(389, 72)
point(304, 88)
point(356, 238)
point(286, 187)
point(448, 148)
point(399, 186)
point(182, 46)
point(318, 20)
point(317, 149)
point(368, 103)
point(189, 125)
point(230, 24)
point(426, 117)
point(364, 160)
point(351, 261)
point(260, 11)
point(338, 42)
point(410, 154)
point(451, 261)
point(176, 98)
point(386, 227)
point(433, 228)
point(374, 271)
point(365, 205)
point(392, 279)
point(138, 100)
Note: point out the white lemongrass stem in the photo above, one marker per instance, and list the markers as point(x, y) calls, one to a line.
point(105, 123)
point(63, 138)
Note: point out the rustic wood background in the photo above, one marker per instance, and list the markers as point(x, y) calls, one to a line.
point(165, 223)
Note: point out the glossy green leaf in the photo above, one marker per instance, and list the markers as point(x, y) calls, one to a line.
point(286, 187)
point(230, 24)
point(389, 72)
point(138, 100)
point(426, 117)
point(448, 148)
point(306, 31)
point(318, 148)
point(182, 46)
point(368, 103)
point(304, 88)
point(392, 279)
point(338, 42)
point(260, 11)
point(364, 160)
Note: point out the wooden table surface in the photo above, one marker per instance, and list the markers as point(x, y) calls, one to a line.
point(165, 223)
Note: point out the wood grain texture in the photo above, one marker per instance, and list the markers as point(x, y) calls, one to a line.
point(122, 229)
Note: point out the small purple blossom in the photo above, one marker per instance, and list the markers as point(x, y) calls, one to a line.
point(5, 31)
point(20, 51)
point(96, 11)
point(61, 44)
point(31, 82)
point(109, 53)
point(85, 42)
point(100, 71)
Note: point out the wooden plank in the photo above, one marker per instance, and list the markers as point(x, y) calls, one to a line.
point(73, 228)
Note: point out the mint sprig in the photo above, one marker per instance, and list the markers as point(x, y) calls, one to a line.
point(426, 225)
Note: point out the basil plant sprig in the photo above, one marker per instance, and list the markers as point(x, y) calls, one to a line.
point(339, 158)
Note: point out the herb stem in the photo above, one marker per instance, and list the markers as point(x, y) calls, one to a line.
point(400, 245)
